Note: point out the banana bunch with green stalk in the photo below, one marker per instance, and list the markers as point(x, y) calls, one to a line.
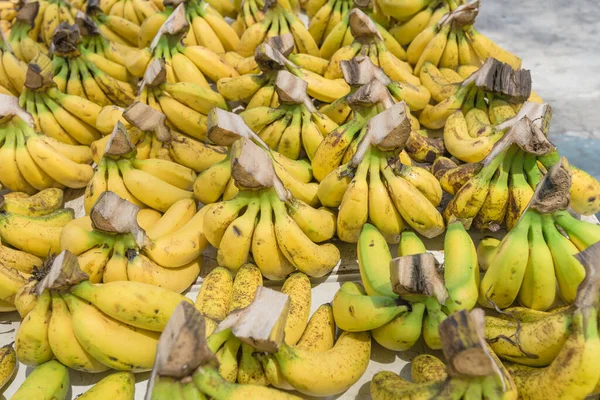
point(397, 320)
point(12, 70)
point(481, 377)
point(407, 25)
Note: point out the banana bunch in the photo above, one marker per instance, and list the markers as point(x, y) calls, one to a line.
point(216, 182)
point(252, 12)
point(49, 380)
point(85, 329)
point(365, 150)
point(259, 89)
point(453, 41)
point(393, 324)
point(52, 13)
point(543, 260)
point(23, 35)
point(167, 257)
point(12, 70)
point(407, 28)
point(117, 386)
point(431, 379)
point(122, 33)
point(183, 63)
point(278, 246)
point(369, 42)
point(277, 21)
point(296, 128)
point(33, 162)
point(153, 183)
point(185, 104)
point(208, 28)
point(331, 13)
point(82, 67)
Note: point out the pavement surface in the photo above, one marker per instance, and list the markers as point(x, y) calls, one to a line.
point(559, 42)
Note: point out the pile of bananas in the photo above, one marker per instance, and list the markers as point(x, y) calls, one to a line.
point(378, 122)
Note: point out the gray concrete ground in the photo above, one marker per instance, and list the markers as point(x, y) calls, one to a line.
point(559, 42)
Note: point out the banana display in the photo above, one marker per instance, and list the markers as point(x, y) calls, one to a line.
point(181, 125)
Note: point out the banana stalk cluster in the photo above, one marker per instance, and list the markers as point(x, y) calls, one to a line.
point(84, 328)
point(411, 18)
point(133, 11)
point(8, 14)
point(121, 33)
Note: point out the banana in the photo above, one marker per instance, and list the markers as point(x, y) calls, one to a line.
point(94, 261)
point(214, 296)
point(168, 171)
point(8, 364)
point(568, 270)
point(354, 209)
point(63, 342)
point(427, 368)
point(117, 386)
point(382, 212)
point(310, 258)
point(144, 270)
point(29, 235)
point(434, 50)
point(583, 234)
point(485, 48)
point(461, 145)
point(195, 154)
point(319, 334)
point(520, 192)
point(48, 381)
point(111, 342)
point(146, 186)
point(235, 244)
point(31, 341)
point(42, 203)
point(143, 306)
point(338, 368)
point(297, 286)
point(19, 260)
point(412, 205)
point(373, 261)
point(540, 340)
point(355, 311)
point(245, 284)
point(11, 283)
point(434, 117)
point(220, 215)
point(504, 276)
point(431, 323)
point(265, 250)
point(461, 270)
point(572, 374)
point(250, 371)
